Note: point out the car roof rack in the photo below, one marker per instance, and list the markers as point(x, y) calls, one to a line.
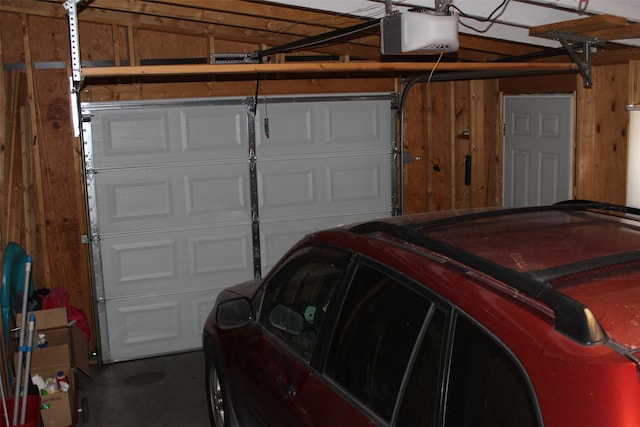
point(572, 318)
point(569, 205)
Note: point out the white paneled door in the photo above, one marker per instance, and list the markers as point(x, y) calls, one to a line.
point(172, 216)
point(538, 149)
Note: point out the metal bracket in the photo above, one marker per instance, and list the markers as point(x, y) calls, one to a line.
point(584, 66)
point(74, 38)
point(76, 79)
point(407, 157)
point(233, 58)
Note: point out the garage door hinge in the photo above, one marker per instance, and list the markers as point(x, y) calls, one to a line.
point(86, 239)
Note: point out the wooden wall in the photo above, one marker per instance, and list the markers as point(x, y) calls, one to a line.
point(42, 204)
point(41, 183)
point(444, 123)
point(601, 160)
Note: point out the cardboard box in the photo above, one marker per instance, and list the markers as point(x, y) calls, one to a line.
point(53, 323)
point(56, 409)
point(66, 350)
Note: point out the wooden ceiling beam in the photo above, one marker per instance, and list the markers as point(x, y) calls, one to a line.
point(497, 47)
point(261, 9)
point(631, 31)
point(34, 7)
point(272, 24)
point(582, 26)
point(337, 67)
point(244, 35)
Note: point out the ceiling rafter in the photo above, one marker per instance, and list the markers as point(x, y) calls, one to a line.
point(258, 25)
point(262, 9)
point(228, 26)
point(223, 16)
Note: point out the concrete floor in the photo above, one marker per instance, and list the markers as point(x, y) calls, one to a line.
point(159, 391)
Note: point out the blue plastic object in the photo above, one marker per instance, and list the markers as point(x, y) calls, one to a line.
point(13, 274)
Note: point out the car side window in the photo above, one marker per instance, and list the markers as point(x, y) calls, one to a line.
point(419, 403)
point(375, 335)
point(298, 295)
point(486, 387)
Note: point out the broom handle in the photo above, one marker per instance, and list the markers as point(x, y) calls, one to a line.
point(23, 325)
point(27, 368)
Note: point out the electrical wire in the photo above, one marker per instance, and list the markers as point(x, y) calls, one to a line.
point(501, 7)
point(479, 19)
point(583, 7)
point(435, 66)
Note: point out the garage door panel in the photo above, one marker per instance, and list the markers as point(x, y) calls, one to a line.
point(278, 236)
point(147, 264)
point(289, 129)
point(351, 125)
point(311, 186)
point(364, 180)
point(217, 191)
point(144, 198)
point(155, 136)
point(157, 325)
point(151, 198)
point(214, 132)
point(308, 128)
point(124, 135)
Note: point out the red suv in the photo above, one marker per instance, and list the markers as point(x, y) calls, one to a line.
point(495, 317)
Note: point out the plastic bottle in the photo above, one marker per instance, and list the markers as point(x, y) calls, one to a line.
point(63, 381)
point(51, 385)
point(39, 382)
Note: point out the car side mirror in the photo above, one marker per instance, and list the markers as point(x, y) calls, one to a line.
point(234, 313)
point(286, 319)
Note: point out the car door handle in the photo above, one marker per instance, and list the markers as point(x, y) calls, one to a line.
point(285, 384)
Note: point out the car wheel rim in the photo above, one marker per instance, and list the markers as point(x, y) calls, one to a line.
point(217, 402)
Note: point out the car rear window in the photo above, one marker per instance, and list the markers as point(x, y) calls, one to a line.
point(375, 335)
point(486, 387)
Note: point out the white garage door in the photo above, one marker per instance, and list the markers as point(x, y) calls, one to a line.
point(188, 197)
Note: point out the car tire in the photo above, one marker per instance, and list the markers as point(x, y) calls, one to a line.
point(217, 402)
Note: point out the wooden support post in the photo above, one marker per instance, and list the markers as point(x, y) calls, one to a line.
point(133, 52)
point(212, 48)
point(461, 141)
point(34, 149)
point(116, 45)
point(12, 230)
point(634, 82)
point(26, 154)
point(4, 116)
point(478, 185)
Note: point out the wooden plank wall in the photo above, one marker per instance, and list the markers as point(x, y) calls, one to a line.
point(444, 123)
point(42, 197)
point(42, 203)
point(601, 137)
